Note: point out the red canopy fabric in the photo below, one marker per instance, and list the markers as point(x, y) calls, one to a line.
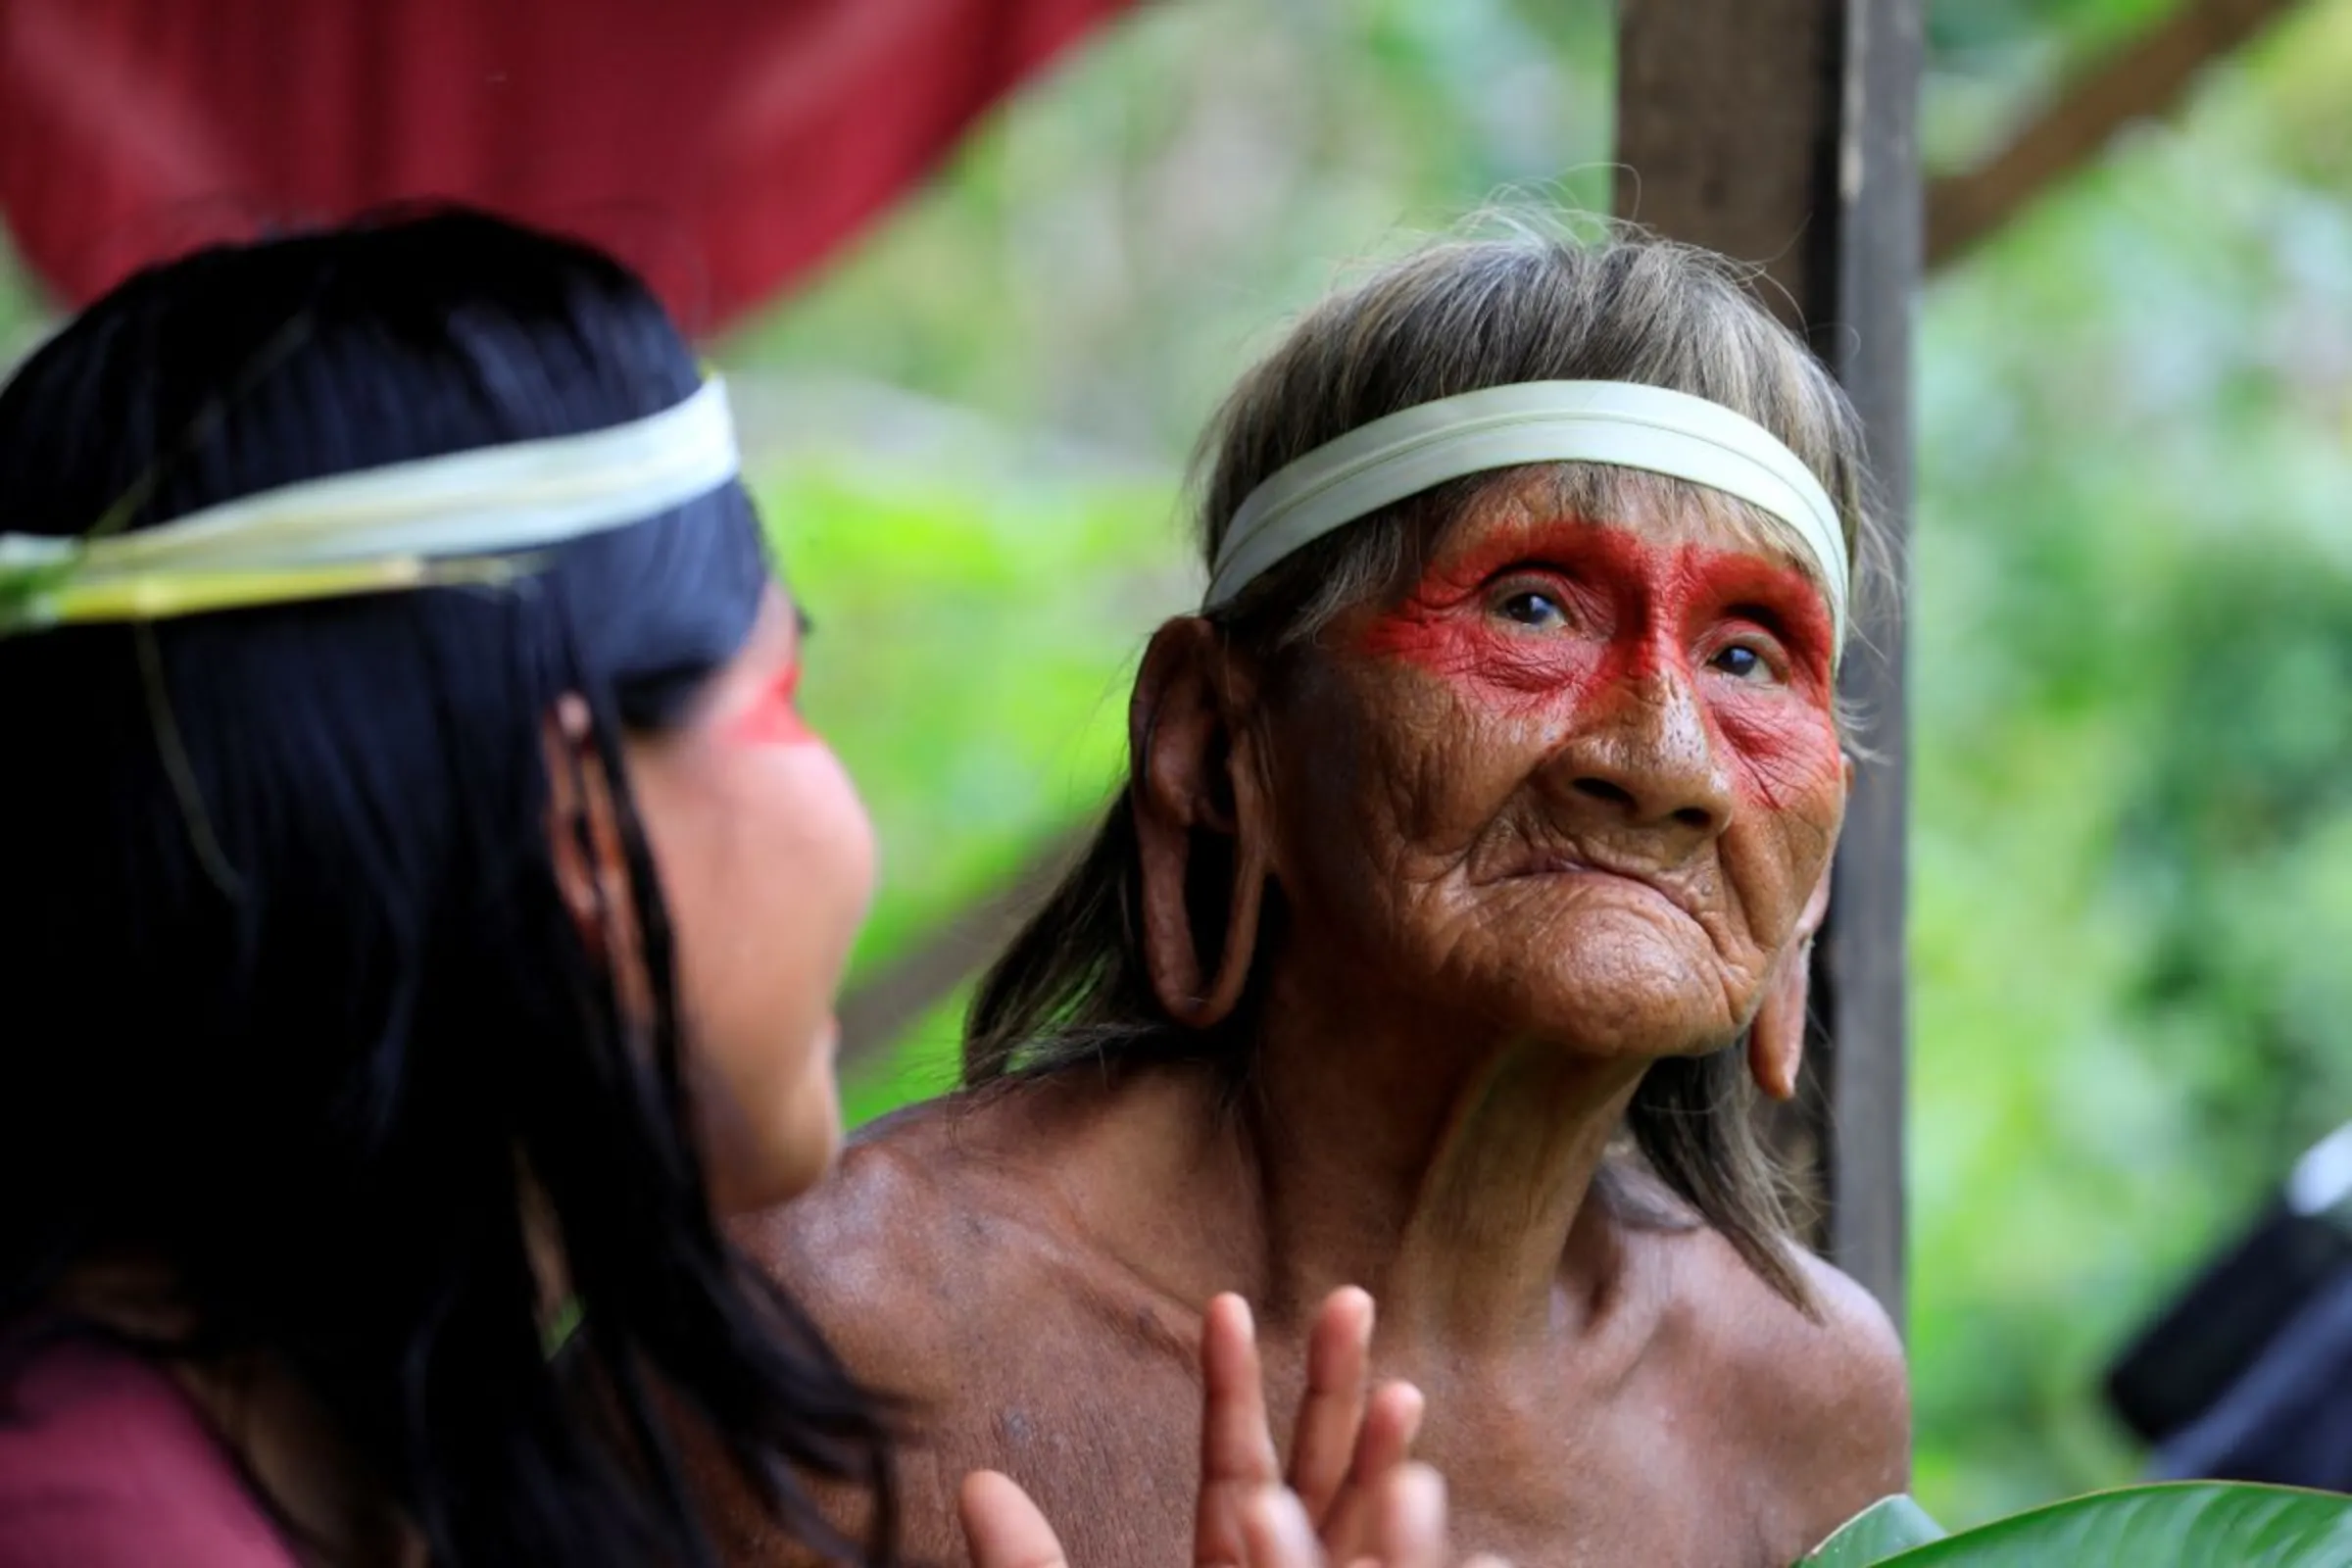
point(722, 147)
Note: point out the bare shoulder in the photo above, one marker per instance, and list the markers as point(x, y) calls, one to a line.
point(1818, 1401)
point(1855, 1386)
point(939, 1267)
point(1848, 1382)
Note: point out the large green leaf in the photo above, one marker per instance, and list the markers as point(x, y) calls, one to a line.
point(1878, 1532)
point(2179, 1525)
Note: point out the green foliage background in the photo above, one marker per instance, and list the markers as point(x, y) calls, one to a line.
point(2133, 626)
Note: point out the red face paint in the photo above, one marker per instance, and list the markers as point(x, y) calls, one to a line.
point(1603, 616)
point(772, 720)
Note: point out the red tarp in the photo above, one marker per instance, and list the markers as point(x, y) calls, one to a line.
point(722, 147)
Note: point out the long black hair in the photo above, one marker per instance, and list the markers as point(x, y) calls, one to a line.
point(290, 1004)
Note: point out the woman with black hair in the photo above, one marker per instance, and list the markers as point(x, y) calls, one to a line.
point(423, 909)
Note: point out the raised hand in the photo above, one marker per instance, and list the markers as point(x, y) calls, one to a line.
point(1349, 1440)
point(1351, 1496)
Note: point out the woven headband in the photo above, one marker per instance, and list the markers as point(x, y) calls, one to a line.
point(1623, 423)
point(465, 517)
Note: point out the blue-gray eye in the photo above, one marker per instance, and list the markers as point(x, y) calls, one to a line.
point(1532, 608)
point(1738, 661)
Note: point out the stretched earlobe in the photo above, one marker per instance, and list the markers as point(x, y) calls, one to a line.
point(1201, 825)
point(1195, 995)
point(1776, 1037)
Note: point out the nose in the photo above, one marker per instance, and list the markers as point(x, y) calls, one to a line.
point(1643, 755)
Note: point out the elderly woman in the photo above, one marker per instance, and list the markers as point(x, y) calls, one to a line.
point(1460, 899)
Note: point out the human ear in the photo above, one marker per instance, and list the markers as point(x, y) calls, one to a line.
point(1200, 822)
point(1776, 1036)
point(583, 832)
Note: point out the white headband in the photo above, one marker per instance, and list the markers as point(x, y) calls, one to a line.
point(378, 529)
point(1619, 422)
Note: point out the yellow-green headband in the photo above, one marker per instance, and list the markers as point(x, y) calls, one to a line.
point(463, 517)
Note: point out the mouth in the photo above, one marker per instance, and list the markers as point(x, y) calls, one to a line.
point(1563, 866)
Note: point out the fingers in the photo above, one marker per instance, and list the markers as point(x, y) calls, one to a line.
point(1002, 1527)
point(1352, 1494)
point(1391, 1421)
point(1237, 1452)
point(1276, 1531)
point(1412, 1513)
point(1235, 1445)
point(1409, 1523)
point(1329, 1441)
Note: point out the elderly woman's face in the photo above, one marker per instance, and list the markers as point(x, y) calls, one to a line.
point(1581, 782)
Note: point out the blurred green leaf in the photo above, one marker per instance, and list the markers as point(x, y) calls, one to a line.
point(1878, 1532)
point(2183, 1525)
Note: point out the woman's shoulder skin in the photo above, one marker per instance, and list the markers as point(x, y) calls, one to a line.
point(925, 1240)
point(1818, 1405)
point(102, 1457)
point(906, 1196)
point(945, 1260)
point(949, 1271)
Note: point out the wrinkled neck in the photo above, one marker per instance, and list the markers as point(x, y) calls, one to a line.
point(1443, 1164)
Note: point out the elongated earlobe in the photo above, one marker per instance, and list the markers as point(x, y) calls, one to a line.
point(1775, 1039)
point(1200, 823)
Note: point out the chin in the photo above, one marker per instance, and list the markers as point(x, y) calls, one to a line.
point(1616, 992)
point(1593, 1026)
point(747, 1175)
point(804, 1158)
point(781, 1177)
point(809, 1164)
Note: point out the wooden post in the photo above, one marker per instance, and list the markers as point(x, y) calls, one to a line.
point(1781, 131)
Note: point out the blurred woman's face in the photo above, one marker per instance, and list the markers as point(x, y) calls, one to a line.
point(1581, 780)
point(766, 861)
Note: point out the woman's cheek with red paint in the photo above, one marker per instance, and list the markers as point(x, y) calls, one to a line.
point(1785, 747)
point(1438, 640)
point(1483, 659)
point(773, 719)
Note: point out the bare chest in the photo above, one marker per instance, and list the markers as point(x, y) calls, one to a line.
point(1555, 1477)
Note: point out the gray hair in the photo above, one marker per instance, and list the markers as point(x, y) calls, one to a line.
point(1454, 316)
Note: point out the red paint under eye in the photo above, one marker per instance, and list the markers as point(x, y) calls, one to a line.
point(1634, 613)
point(772, 720)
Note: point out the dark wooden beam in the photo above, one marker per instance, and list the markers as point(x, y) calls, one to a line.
point(1864, 965)
point(1781, 133)
point(1727, 119)
point(2145, 79)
